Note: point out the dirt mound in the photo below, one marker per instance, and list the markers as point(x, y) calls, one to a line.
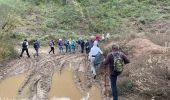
point(144, 46)
point(149, 68)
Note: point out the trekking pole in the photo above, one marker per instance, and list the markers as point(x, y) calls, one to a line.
point(106, 94)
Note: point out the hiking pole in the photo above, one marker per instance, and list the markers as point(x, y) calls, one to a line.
point(106, 92)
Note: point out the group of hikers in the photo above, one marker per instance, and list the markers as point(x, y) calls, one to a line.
point(36, 46)
point(115, 60)
point(71, 46)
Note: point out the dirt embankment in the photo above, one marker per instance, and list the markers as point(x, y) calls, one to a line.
point(150, 68)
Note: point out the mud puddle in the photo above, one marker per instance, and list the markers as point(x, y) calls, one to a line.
point(9, 87)
point(94, 94)
point(63, 88)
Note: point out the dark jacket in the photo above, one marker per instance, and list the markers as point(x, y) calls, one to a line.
point(82, 43)
point(87, 45)
point(25, 44)
point(36, 45)
point(110, 60)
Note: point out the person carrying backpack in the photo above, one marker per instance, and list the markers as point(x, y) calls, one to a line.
point(66, 43)
point(60, 45)
point(52, 46)
point(116, 60)
point(36, 46)
point(91, 41)
point(93, 53)
point(25, 48)
point(73, 46)
point(82, 45)
point(79, 44)
point(87, 46)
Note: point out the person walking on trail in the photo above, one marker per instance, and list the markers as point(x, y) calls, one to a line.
point(92, 39)
point(66, 43)
point(36, 46)
point(107, 36)
point(97, 40)
point(82, 45)
point(93, 52)
point(79, 44)
point(103, 37)
point(116, 60)
point(87, 46)
point(52, 46)
point(73, 46)
point(25, 48)
point(69, 47)
point(60, 45)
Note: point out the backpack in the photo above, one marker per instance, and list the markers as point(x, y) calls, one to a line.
point(36, 45)
point(98, 59)
point(118, 63)
point(60, 43)
point(51, 43)
point(73, 43)
point(24, 44)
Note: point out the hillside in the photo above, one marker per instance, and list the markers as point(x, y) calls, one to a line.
point(46, 19)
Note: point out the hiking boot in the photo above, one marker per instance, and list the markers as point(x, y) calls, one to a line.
point(94, 76)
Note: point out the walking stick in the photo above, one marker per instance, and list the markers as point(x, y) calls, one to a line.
point(106, 85)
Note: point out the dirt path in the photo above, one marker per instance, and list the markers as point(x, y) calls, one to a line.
point(41, 70)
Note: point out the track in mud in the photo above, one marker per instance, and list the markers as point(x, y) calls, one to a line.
point(41, 73)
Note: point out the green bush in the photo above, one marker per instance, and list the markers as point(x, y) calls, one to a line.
point(18, 36)
point(51, 23)
point(6, 47)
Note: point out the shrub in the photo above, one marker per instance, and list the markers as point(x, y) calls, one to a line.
point(6, 47)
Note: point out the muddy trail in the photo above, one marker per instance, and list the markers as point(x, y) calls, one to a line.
point(68, 77)
point(47, 77)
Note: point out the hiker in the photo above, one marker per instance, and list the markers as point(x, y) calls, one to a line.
point(107, 36)
point(25, 48)
point(87, 46)
point(66, 43)
point(92, 38)
point(69, 47)
point(82, 45)
point(93, 52)
point(60, 45)
point(78, 44)
point(103, 37)
point(36, 46)
point(73, 46)
point(116, 60)
point(52, 46)
point(97, 40)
